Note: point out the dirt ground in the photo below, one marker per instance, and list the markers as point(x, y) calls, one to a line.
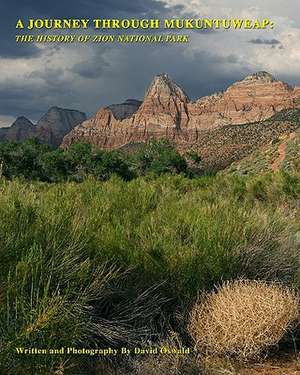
point(289, 366)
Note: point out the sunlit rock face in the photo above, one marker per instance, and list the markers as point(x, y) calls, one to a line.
point(167, 112)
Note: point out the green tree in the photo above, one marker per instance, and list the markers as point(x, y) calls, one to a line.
point(22, 159)
point(55, 165)
point(158, 157)
point(107, 163)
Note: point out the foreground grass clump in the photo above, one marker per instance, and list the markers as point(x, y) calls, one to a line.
point(64, 301)
point(243, 318)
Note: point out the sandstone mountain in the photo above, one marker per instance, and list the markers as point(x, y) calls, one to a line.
point(167, 112)
point(50, 129)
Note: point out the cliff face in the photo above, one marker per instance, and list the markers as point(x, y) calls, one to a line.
point(255, 98)
point(50, 129)
point(56, 123)
point(167, 112)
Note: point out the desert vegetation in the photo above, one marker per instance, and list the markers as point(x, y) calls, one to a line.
point(223, 146)
point(243, 318)
point(144, 258)
point(34, 160)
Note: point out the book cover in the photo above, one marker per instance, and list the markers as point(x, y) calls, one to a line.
point(149, 187)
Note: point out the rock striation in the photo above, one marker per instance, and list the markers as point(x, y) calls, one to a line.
point(50, 129)
point(167, 112)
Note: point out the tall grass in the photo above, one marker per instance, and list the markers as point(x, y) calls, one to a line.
point(166, 227)
point(92, 263)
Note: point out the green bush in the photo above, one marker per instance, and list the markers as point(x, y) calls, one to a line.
point(158, 157)
point(33, 160)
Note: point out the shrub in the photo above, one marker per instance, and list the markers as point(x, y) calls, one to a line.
point(107, 163)
point(54, 165)
point(243, 318)
point(158, 157)
point(22, 159)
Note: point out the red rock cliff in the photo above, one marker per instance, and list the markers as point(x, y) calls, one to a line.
point(167, 112)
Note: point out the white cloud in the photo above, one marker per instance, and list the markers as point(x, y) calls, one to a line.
point(6, 121)
point(282, 60)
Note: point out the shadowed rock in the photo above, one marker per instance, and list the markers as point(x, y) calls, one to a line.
point(20, 130)
point(50, 129)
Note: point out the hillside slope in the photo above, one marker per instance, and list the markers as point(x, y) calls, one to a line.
point(221, 147)
point(282, 153)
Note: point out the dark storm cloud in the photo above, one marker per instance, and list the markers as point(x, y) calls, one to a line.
point(89, 8)
point(8, 49)
point(25, 9)
point(49, 76)
point(130, 75)
point(33, 100)
point(87, 78)
point(28, 98)
point(95, 66)
point(14, 102)
point(90, 69)
point(268, 42)
point(103, 80)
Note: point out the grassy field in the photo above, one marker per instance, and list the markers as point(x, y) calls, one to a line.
point(120, 263)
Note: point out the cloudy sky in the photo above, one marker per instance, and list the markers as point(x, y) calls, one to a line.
point(86, 77)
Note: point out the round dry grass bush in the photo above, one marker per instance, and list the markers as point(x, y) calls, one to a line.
point(243, 318)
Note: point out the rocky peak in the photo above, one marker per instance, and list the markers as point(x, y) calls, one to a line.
point(164, 106)
point(262, 76)
point(51, 128)
point(59, 118)
point(57, 122)
point(61, 114)
point(166, 112)
point(51, 116)
point(163, 86)
point(20, 130)
point(23, 122)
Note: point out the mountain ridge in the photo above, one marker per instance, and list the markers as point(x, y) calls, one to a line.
point(50, 128)
point(167, 112)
